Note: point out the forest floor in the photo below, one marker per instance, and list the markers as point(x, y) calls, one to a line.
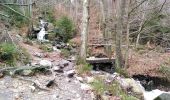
point(147, 63)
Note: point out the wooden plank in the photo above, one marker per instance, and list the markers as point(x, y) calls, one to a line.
point(97, 60)
point(99, 44)
point(100, 60)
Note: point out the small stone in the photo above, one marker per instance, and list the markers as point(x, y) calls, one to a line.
point(79, 78)
point(34, 64)
point(32, 88)
point(27, 73)
point(45, 63)
point(70, 73)
point(40, 55)
point(1, 75)
point(68, 80)
point(86, 87)
point(56, 68)
point(64, 63)
point(90, 79)
point(55, 49)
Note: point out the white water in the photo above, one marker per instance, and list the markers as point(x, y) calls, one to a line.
point(41, 34)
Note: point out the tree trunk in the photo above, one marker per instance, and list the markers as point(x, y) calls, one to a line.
point(120, 11)
point(127, 35)
point(84, 33)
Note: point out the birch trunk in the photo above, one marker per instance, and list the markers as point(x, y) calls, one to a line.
point(84, 33)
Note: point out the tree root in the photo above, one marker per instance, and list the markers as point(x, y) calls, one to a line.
point(13, 71)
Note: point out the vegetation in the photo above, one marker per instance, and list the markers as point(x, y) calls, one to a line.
point(8, 53)
point(66, 28)
point(46, 47)
point(83, 67)
point(165, 70)
point(15, 14)
point(65, 53)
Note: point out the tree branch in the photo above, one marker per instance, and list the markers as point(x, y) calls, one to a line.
point(14, 11)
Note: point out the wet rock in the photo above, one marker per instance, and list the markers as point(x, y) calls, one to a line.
point(45, 63)
point(86, 87)
point(70, 73)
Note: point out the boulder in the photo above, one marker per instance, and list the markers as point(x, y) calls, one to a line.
point(45, 63)
point(131, 86)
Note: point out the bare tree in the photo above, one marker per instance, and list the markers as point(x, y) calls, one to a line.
point(120, 11)
point(84, 33)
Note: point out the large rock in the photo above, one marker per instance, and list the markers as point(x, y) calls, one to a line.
point(131, 85)
point(45, 63)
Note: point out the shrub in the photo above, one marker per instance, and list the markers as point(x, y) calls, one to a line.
point(66, 28)
point(8, 53)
